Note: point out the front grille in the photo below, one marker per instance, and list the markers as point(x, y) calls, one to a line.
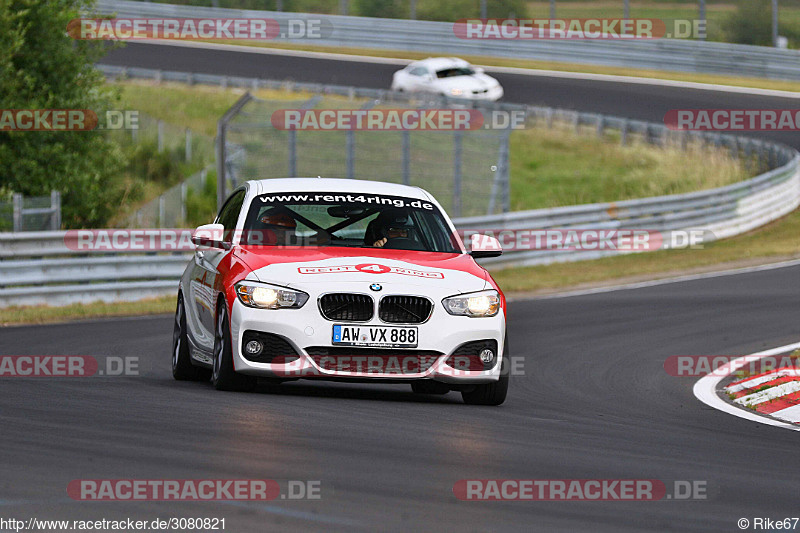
point(372, 360)
point(405, 309)
point(276, 349)
point(467, 356)
point(347, 307)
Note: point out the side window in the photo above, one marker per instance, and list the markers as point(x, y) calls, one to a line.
point(418, 71)
point(229, 213)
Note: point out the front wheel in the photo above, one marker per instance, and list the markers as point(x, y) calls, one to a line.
point(182, 367)
point(223, 376)
point(491, 393)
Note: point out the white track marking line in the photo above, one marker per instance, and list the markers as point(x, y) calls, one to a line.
point(502, 70)
point(705, 389)
point(665, 281)
point(769, 394)
point(790, 414)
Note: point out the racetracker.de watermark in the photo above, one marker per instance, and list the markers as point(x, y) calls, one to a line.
point(193, 489)
point(576, 239)
point(733, 119)
point(578, 490)
point(67, 120)
point(723, 365)
point(578, 28)
point(395, 119)
point(207, 29)
point(67, 366)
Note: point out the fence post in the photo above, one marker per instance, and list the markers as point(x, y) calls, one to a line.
point(17, 221)
point(406, 157)
point(292, 153)
point(160, 135)
point(504, 168)
point(183, 202)
point(351, 153)
point(457, 173)
point(188, 148)
point(55, 205)
point(220, 162)
point(161, 210)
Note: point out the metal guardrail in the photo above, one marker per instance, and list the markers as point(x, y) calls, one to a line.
point(33, 277)
point(439, 38)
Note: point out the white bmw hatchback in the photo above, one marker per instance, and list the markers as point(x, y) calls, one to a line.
point(449, 76)
point(307, 278)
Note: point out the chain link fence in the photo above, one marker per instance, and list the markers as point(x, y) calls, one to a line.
point(467, 168)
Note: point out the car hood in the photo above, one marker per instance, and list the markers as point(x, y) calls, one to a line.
point(297, 267)
point(469, 83)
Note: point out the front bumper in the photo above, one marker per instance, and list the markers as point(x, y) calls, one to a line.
point(309, 334)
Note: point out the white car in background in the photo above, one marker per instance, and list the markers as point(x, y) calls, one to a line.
point(449, 76)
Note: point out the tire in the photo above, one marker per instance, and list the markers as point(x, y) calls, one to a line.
point(223, 375)
point(429, 387)
point(491, 393)
point(182, 367)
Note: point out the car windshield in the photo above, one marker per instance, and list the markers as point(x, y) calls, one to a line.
point(452, 72)
point(349, 220)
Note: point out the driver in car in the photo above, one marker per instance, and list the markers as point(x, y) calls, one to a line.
point(391, 225)
point(275, 227)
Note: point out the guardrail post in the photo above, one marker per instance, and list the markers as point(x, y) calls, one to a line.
point(457, 173)
point(549, 117)
point(55, 205)
point(623, 133)
point(406, 157)
point(600, 124)
point(188, 145)
point(17, 217)
point(577, 122)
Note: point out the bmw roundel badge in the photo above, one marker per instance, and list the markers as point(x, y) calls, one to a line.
point(375, 287)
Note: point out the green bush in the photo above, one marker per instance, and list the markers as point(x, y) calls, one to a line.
point(751, 23)
point(42, 67)
point(201, 207)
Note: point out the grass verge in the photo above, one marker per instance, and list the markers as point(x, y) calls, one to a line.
point(45, 315)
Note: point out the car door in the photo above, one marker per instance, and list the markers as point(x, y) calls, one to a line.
point(204, 286)
point(420, 79)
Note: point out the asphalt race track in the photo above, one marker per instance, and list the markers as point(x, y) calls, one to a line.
point(632, 100)
point(594, 401)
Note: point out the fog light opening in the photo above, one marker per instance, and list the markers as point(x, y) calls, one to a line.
point(253, 347)
point(487, 356)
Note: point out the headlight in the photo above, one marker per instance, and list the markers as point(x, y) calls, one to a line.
point(485, 303)
point(268, 297)
point(456, 91)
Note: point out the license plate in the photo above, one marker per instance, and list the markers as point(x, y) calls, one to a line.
point(375, 336)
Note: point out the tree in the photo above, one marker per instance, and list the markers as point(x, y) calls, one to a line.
point(41, 67)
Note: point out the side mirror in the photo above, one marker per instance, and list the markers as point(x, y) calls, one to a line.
point(428, 78)
point(484, 246)
point(479, 70)
point(210, 236)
